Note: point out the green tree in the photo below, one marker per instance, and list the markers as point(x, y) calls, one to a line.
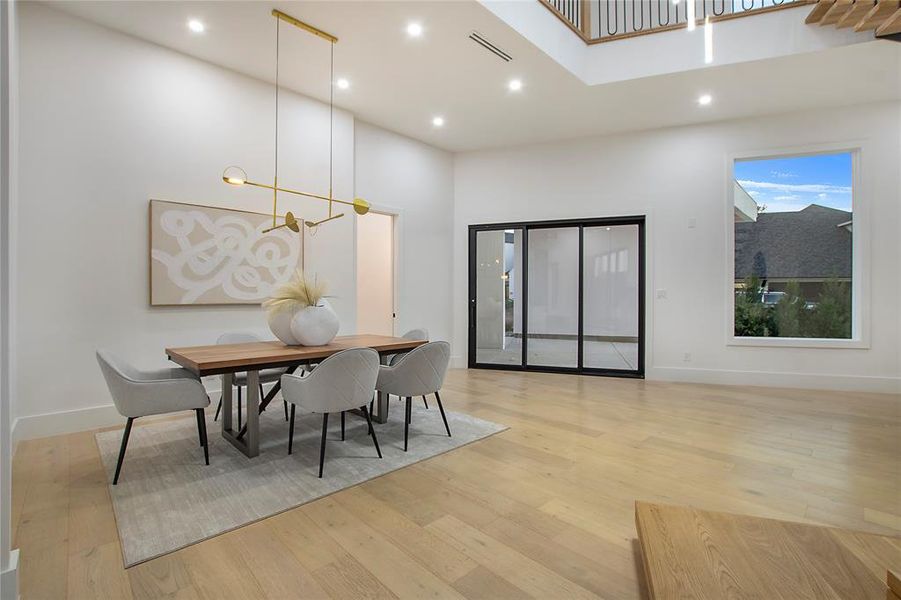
point(752, 318)
point(790, 314)
point(831, 317)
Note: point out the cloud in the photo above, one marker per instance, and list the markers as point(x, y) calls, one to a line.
point(754, 193)
point(822, 195)
point(783, 174)
point(786, 198)
point(794, 188)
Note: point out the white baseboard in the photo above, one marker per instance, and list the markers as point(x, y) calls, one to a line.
point(80, 419)
point(69, 421)
point(9, 579)
point(813, 381)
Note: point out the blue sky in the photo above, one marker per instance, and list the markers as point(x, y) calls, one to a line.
point(790, 184)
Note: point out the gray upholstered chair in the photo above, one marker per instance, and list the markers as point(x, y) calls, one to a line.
point(344, 381)
point(240, 380)
point(413, 334)
point(419, 372)
point(142, 393)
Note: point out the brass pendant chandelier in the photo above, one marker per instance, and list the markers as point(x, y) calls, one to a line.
point(237, 176)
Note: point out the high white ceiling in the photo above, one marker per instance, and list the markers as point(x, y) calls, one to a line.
point(401, 83)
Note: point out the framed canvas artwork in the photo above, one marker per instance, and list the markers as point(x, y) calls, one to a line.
point(210, 255)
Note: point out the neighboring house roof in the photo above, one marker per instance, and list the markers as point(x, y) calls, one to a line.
point(814, 243)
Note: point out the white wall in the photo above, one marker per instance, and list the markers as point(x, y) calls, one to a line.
point(415, 181)
point(108, 122)
point(678, 174)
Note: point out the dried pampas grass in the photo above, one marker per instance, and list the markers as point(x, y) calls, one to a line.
point(298, 292)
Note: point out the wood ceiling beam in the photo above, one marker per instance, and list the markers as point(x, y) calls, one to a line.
point(836, 12)
point(857, 12)
point(890, 26)
point(819, 11)
point(878, 14)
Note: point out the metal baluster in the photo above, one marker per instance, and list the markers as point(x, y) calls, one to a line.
point(635, 27)
point(615, 18)
point(660, 5)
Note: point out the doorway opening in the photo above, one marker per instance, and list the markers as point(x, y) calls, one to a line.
point(561, 296)
point(375, 274)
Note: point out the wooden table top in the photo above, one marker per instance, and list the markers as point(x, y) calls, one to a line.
point(229, 358)
point(690, 553)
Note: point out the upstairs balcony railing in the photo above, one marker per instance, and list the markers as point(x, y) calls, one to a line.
point(598, 21)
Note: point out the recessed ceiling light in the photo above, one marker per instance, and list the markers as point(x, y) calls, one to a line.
point(705, 99)
point(342, 83)
point(196, 26)
point(438, 121)
point(414, 30)
point(514, 85)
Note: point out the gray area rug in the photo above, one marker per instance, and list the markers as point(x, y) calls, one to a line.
point(168, 499)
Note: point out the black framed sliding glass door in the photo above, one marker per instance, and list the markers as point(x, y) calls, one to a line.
point(495, 268)
point(563, 296)
point(552, 334)
point(611, 297)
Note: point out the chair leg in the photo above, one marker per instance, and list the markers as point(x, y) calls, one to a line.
point(443, 417)
point(291, 431)
point(407, 422)
point(375, 440)
point(285, 402)
point(342, 425)
point(122, 448)
point(426, 402)
point(201, 429)
point(218, 408)
point(239, 408)
point(322, 443)
point(371, 404)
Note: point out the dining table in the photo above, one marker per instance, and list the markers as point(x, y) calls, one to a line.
point(251, 357)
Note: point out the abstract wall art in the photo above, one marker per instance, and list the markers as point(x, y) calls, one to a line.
point(210, 255)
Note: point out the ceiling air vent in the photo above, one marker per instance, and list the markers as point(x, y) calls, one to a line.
point(481, 41)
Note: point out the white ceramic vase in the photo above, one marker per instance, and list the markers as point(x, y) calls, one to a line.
point(314, 325)
point(280, 325)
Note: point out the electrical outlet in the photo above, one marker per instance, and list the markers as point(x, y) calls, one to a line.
point(661, 294)
point(687, 357)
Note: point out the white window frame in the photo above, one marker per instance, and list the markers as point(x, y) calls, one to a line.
point(860, 257)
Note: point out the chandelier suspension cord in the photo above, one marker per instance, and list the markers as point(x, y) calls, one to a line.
point(275, 184)
point(331, 123)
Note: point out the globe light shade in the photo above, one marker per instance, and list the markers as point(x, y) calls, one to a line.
point(234, 176)
point(361, 207)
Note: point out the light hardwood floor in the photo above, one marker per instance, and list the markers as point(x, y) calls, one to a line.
point(544, 509)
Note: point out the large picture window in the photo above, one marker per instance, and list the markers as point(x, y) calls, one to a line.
point(793, 243)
